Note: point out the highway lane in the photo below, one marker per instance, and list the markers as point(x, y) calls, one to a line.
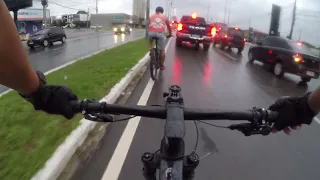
point(45, 59)
point(214, 80)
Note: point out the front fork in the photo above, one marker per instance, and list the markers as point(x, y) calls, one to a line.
point(151, 162)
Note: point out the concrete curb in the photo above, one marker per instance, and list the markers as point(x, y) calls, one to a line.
point(81, 58)
point(55, 165)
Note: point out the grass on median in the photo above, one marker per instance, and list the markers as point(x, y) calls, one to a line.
point(29, 138)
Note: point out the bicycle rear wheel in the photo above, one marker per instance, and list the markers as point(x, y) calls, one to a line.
point(153, 65)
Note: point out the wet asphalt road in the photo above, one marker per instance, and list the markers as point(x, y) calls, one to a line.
point(214, 80)
point(45, 59)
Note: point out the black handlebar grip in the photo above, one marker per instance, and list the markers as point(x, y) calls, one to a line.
point(76, 106)
point(272, 115)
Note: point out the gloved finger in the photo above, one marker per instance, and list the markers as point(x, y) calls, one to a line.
point(294, 127)
point(287, 130)
point(274, 130)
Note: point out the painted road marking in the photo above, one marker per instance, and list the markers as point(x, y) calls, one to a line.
point(116, 162)
point(229, 56)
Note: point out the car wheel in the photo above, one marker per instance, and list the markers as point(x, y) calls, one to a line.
point(278, 69)
point(305, 79)
point(178, 42)
point(250, 57)
point(206, 47)
point(45, 43)
point(197, 46)
point(240, 50)
point(221, 45)
point(63, 40)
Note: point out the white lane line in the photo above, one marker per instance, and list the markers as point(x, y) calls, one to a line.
point(116, 162)
point(317, 119)
point(227, 55)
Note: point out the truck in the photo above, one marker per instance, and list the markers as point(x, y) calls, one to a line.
point(195, 30)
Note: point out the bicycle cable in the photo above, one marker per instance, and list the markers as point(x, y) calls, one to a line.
point(224, 127)
point(197, 140)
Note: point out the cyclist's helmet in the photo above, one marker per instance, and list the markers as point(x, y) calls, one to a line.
point(159, 9)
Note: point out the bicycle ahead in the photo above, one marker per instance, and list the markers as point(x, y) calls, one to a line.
point(170, 160)
point(155, 60)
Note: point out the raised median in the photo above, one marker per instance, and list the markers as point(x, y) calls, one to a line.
point(29, 138)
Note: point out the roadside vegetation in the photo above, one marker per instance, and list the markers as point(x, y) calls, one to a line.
point(28, 138)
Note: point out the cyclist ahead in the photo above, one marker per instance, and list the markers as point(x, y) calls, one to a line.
point(17, 73)
point(157, 28)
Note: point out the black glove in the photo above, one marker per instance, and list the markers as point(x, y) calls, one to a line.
point(293, 111)
point(52, 99)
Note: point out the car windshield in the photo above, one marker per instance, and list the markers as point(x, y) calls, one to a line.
point(300, 47)
point(190, 19)
point(45, 31)
point(233, 32)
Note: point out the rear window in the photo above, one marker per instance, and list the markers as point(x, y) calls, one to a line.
point(233, 32)
point(200, 20)
point(300, 47)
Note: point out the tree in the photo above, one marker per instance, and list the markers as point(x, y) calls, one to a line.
point(81, 12)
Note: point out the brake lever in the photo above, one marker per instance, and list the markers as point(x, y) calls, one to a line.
point(98, 117)
point(249, 129)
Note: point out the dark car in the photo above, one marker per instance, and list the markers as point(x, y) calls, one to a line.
point(195, 30)
point(124, 28)
point(283, 55)
point(231, 37)
point(47, 37)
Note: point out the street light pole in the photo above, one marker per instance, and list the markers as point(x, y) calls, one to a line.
point(147, 17)
point(225, 11)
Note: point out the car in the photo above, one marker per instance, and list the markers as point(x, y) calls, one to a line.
point(195, 30)
point(122, 28)
point(47, 37)
point(286, 56)
point(231, 37)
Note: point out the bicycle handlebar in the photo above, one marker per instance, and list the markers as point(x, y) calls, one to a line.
point(172, 147)
point(258, 118)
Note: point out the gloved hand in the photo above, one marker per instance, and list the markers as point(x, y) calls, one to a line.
point(293, 111)
point(53, 100)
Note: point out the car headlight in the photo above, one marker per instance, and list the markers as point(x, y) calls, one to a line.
point(114, 29)
point(122, 29)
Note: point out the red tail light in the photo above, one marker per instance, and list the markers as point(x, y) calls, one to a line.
point(180, 27)
point(225, 36)
point(297, 58)
point(244, 40)
point(213, 31)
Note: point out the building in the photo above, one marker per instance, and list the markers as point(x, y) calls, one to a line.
point(30, 21)
point(108, 20)
point(139, 11)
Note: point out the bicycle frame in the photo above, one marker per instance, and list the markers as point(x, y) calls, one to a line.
point(171, 156)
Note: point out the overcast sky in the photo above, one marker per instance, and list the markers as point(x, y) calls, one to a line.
point(242, 12)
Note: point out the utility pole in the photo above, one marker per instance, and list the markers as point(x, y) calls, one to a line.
point(225, 11)
point(147, 17)
point(229, 13)
point(88, 18)
point(293, 19)
point(300, 34)
point(208, 12)
point(44, 4)
point(96, 6)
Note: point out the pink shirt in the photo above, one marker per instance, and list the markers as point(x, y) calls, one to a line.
point(157, 23)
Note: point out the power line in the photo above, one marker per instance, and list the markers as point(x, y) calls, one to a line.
point(65, 6)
